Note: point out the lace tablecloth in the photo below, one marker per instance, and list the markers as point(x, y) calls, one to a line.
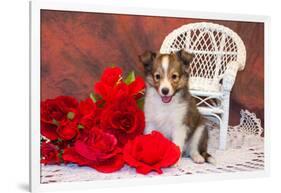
point(245, 152)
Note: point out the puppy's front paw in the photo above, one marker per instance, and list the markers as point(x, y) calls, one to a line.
point(198, 159)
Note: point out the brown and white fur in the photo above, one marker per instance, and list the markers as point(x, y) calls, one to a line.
point(169, 107)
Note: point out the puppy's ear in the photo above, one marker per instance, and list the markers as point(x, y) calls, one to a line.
point(185, 57)
point(147, 59)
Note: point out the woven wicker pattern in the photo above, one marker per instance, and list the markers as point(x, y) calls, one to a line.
point(214, 47)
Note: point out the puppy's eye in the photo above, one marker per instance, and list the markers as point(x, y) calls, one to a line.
point(157, 77)
point(175, 76)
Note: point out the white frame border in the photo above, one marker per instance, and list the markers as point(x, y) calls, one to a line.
point(36, 6)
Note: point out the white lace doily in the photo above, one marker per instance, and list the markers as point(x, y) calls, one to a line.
point(245, 152)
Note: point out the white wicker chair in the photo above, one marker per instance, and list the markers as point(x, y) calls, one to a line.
point(218, 54)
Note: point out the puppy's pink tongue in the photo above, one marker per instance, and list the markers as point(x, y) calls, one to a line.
point(166, 99)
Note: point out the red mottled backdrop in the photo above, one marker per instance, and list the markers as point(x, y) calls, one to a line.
point(77, 46)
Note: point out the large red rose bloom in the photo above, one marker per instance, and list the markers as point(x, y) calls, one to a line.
point(123, 118)
point(96, 149)
point(151, 153)
point(57, 111)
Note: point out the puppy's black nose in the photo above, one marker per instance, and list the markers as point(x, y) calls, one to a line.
point(165, 91)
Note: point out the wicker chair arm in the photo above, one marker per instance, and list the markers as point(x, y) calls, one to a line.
point(230, 75)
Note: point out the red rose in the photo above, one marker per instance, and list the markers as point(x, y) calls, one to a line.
point(151, 153)
point(96, 149)
point(109, 79)
point(56, 111)
point(67, 130)
point(89, 114)
point(49, 153)
point(111, 75)
point(123, 119)
point(108, 93)
point(111, 85)
point(51, 110)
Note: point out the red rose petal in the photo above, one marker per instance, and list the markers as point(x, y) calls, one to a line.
point(67, 130)
point(103, 90)
point(95, 152)
point(137, 86)
point(110, 165)
point(67, 103)
point(49, 153)
point(70, 155)
point(49, 131)
point(87, 107)
point(111, 75)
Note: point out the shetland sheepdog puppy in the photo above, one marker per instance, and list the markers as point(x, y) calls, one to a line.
point(169, 106)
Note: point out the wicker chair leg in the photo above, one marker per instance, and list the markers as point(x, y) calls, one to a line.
point(224, 124)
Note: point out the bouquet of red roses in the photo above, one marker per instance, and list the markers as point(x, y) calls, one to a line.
point(104, 131)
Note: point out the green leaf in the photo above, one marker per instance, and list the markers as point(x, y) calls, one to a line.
point(80, 126)
point(92, 96)
point(60, 155)
point(130, 78)
point(70, 115)
point(55, 122)
point(140, 103)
